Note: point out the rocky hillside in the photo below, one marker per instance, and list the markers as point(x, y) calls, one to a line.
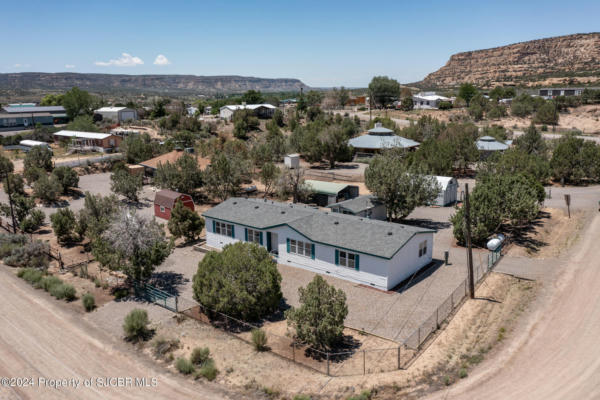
point(172, 84)
point(568, 59)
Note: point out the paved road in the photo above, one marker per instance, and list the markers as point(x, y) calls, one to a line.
point(39, 338)
point(555, 354)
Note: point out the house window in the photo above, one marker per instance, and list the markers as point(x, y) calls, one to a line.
point(347, 259)
point(162, 209)
point(221, 228)
point(300, 248)
point(423, 248)
point(253, 236)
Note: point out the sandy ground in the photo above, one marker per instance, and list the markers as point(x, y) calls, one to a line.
point(40, 339)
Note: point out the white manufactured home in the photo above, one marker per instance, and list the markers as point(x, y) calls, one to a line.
point(368, 252)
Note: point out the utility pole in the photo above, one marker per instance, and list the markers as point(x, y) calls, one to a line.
point(12, 212)
point(468, 240)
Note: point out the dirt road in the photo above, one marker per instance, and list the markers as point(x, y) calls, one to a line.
point(39, 339)
point(555, 354)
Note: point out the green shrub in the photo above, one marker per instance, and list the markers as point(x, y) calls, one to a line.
point(208, 370)
point(31, 275)
point(365, 395)
point(9, 242)
point(200, 355)
point(48, 282)
point(302, 397)
point(31, 254)
point(259, 339)
point(89, 302)
point(135, 325)
point(63, 291)
point(120, 293)
point(97, 282)
point(184, 366)
point(162, 346)
point(462, 373)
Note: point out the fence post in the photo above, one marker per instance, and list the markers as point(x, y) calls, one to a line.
point(364, 362)
point(176, 304)
point(399, 357)
point(327, 364)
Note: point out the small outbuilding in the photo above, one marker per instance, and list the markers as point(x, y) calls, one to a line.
point(292, 161)
point(326, 193)
point(117, 114)
point(488, 145)
point(366, 206)
point(448, 191)
point(164, 202)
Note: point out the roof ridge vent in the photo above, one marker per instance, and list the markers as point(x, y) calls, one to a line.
point(390, 233)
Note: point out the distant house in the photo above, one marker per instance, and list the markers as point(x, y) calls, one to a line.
point(26, 145)
point(90, 141)
point(326, 193)
point(120, 131)
point(259, 110)
point(550, 93)
point(378, 139)
point(448, 190)
point(164, 202)
point(366, 206)
point(368, 252)
point(428, 100)
point(151, 165)
point(117, 114)
point(23, 116)
point(487, 145)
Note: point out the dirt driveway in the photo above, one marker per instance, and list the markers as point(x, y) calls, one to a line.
point(556, 353)
point(38, 338)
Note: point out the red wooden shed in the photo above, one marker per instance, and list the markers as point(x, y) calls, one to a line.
point(164, 202)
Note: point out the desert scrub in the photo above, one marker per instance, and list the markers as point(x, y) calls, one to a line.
point(63, 291)
point(89, 302)
point(48, 282)
point(365, 395)
point(184, 366)
point(302, 397)
point(208, 370)
point(462, 373)
point(163, 346)
point(31, 275)
point(259, 340)
point(200, 355)
point(135, 325)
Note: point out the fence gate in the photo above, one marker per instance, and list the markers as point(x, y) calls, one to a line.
point(155, 295)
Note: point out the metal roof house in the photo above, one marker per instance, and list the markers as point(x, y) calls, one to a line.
point(428, 100)
point(366, 206)
point(103, 142)
point(23, 116)
point(117, 114)
point(488, 144)
point(325, 193)
point(368, 252)
point(260, 110)
point(378, 139)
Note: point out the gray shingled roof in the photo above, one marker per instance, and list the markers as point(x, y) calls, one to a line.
point(358, 204)
point(378, 238)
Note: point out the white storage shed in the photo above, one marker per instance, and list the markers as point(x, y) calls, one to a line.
point(292, 161)
point(448, 191)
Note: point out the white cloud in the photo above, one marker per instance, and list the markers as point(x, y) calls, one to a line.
point(126, 60)
point(21, 65)
point(69, 66)
point(161, 60)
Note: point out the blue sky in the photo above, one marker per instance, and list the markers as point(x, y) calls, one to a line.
point(323, 43)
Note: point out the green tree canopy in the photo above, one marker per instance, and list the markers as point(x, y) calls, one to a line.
point(242, 281)
point(319, 321)
point(77, 102)
point(225, 175)
point(401, 188)
point(67, 177)
point(126, 184)
point(575, 159)
point(184, 175)
point(253, 97)
point(185, 222)
point(38, 157)
point(467, 91)
point(384, 90)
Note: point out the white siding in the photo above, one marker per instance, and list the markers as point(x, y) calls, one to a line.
point(407, 261)
point(373, 271)
point(226, 114)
